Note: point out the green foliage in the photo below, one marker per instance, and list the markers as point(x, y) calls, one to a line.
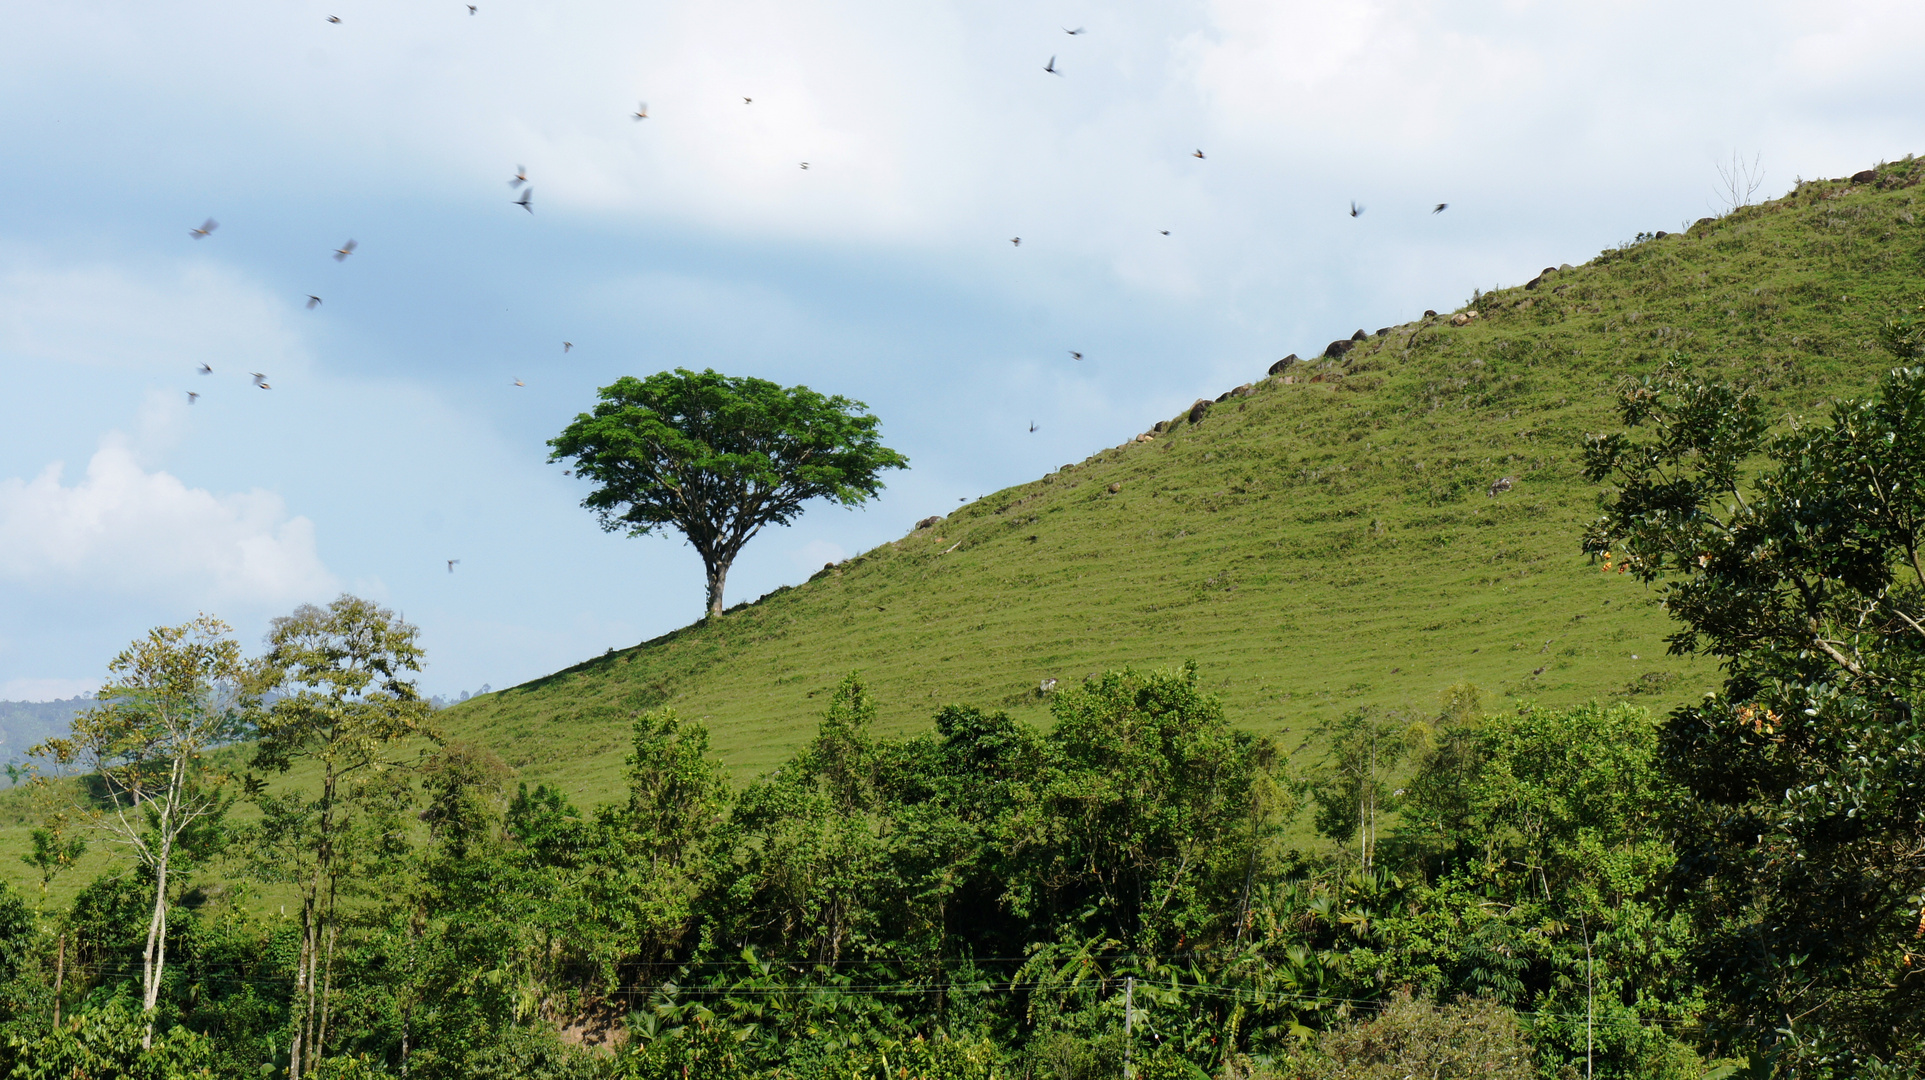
point(1352, 786)
point(170, 699)
point(110, 1042)
point(1794, 559)
point(340, 674)
point(717, 457)
point(1471, 1040)
point(344, 701)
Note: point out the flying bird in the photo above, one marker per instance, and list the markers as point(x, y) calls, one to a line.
point(1076, 354)
point(1016, 241)
point(345, 250)
point(207, 226)
point(334, 18)
point(1051, 67)
point(192, 397)
point(748, 101)
point(1032, 427)
point(205, 370)
point(640, 113)
point(1440, 208)
point(521, 176)
point(313, 301)
point(260, 380)
point(523, 201)
point(805, 164)
point(1355, 210)
point(1165, 232)
point(1198, 155)
point(471, 9)
point(1072, 33)
point(518, 382)
point(451, 565)
point(567, 345)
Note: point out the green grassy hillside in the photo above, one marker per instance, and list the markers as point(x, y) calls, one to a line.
point(1327, 542)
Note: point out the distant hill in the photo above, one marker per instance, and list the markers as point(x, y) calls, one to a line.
point(24, 723)
point(1363, 529)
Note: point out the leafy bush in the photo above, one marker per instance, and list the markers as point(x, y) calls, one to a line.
point(1475, 1038)
point(104, 1044)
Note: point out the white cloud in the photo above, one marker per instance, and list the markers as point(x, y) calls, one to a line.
point(122, 529)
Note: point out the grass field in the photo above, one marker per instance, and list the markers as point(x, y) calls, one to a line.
point(1326, 543)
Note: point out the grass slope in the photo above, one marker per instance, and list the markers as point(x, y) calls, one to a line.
point(1322, 544)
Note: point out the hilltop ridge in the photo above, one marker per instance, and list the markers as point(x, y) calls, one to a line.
point(1360, 528)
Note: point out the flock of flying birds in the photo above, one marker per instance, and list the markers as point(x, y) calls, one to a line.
point(521, 184)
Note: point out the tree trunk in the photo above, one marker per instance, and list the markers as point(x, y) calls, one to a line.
point(59, 977)
point(303, 1050)
point(154, 960)
point(718, 572)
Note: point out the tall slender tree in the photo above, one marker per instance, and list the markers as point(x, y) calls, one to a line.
point(169, 698)
point(344, 703)
point(717, 457)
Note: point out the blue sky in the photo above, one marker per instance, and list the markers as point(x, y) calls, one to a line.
point(394, 439)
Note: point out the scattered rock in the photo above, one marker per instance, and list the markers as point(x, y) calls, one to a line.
point(1460, 319)
point(1160, 426)
point(1661, 234)
point(1864, 177)
point(931, 520)
point(1289, 379)
point(1533, 283)
point(1197, 410)
point(1243, 391)
point(1282, 365)
point(1359, 336)
point(1146, 437)
point(1225, 396)
point(1382, 330)
point(1537, 671)
point(1116, 487)
point(1501, 486)
point(1561, 267)
point(1549, 270)
point(1703, 221)
point(1337, 348)
point(1429, 314)
point(1048, 685)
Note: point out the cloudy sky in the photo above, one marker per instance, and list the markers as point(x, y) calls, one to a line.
point(394, 437)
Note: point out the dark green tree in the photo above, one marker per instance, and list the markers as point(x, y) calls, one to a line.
point(345, 701)
point(717, 457)
point(1794, 558)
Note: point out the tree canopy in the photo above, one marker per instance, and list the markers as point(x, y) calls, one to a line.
point(717, 457)
point(1795, 559)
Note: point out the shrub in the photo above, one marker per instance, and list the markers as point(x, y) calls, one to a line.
point(1475, 1038)
point(106, 1043)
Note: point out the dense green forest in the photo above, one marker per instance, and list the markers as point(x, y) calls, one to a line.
point(313, 873)
point(1530, 891)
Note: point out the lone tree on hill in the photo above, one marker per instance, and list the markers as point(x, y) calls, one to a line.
point(718, 457)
